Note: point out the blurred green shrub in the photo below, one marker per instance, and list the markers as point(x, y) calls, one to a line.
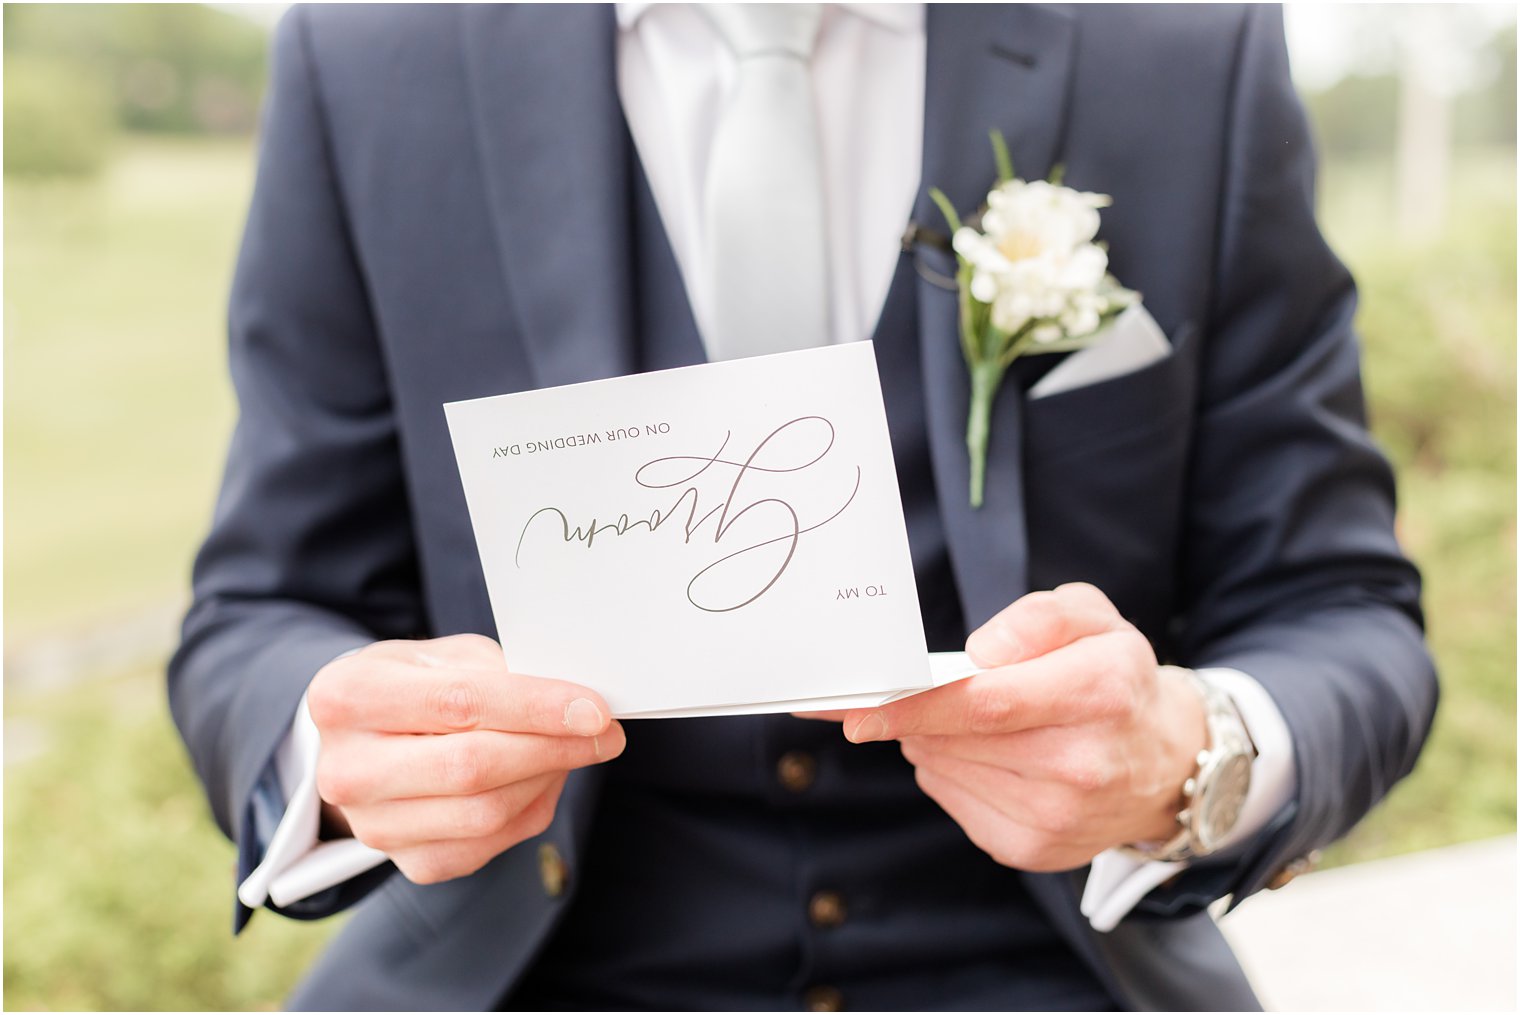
point(1358, 115)
point(1440, 345)
point(1438, 322)
point(118, 886)
point(169, 68)
point(57, 118)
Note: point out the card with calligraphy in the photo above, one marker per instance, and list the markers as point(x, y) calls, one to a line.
point(717, 539)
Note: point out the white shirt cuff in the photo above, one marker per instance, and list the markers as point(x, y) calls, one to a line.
point(296, 865)
point(1119, 880)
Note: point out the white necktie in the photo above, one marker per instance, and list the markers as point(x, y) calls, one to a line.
point(767, 255)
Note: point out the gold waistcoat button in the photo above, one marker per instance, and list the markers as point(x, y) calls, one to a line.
point(796, 770)
point(553, 871)
point(823, 999)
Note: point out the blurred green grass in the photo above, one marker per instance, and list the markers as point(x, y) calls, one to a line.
point(1438, 326)
point(117, 886)
point(117, 404)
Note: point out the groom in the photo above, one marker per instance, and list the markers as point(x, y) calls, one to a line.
point(1202, 645)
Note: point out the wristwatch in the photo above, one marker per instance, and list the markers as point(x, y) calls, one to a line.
point(1212, 796)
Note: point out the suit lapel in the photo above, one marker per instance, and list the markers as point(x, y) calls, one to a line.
point(1009, 68)
point(555, 155)
point(1005, 67)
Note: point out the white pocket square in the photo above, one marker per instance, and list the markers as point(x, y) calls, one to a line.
point(1133, 341)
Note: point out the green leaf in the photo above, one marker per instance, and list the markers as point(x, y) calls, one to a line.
point(1057, 174)
point(1063, 344)
point(1017, 347)
point(1001, 156)
point(946, 208)
point(967, 314)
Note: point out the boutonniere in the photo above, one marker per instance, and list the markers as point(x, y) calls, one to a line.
point(1031, 280)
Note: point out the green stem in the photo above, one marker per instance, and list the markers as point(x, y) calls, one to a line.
point(985, 379)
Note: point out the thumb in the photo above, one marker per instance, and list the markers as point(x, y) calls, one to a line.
point(1041, 622)
point(994, 644)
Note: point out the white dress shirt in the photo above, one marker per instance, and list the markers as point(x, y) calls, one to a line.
point(868, 78)
point(868, 81)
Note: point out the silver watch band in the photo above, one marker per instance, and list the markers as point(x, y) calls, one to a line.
point(1229, 739)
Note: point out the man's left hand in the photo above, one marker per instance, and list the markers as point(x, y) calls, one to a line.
point(1073, 739)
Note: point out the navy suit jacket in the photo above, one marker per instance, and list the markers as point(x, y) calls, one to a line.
point(442, 213)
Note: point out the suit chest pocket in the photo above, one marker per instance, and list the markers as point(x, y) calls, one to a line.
point(1117, 411)
point(1104, 472)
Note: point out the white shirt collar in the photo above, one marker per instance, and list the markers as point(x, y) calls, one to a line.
point(901, 17)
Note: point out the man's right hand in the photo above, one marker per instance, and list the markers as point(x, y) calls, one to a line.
point(437, 755)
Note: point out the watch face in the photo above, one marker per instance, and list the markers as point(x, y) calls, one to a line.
point(1219, 805)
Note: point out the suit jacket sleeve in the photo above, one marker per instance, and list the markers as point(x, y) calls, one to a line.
point(1291, 570)
point(310, 552)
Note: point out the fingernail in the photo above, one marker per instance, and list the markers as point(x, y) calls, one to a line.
point(583, 718)
point(993, 645)
point(872, 727)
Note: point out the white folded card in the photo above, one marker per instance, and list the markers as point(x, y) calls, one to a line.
point(712, 540)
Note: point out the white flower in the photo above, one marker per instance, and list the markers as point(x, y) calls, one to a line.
point(1031, 281)
point(1035, 262)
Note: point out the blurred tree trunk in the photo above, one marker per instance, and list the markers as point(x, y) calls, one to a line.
point(1424, 129)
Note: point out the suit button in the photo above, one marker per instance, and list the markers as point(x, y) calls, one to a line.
point(826, 909)
point(797, 770)
point(1293, 869)
point(823, 999)
point(553, 871)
